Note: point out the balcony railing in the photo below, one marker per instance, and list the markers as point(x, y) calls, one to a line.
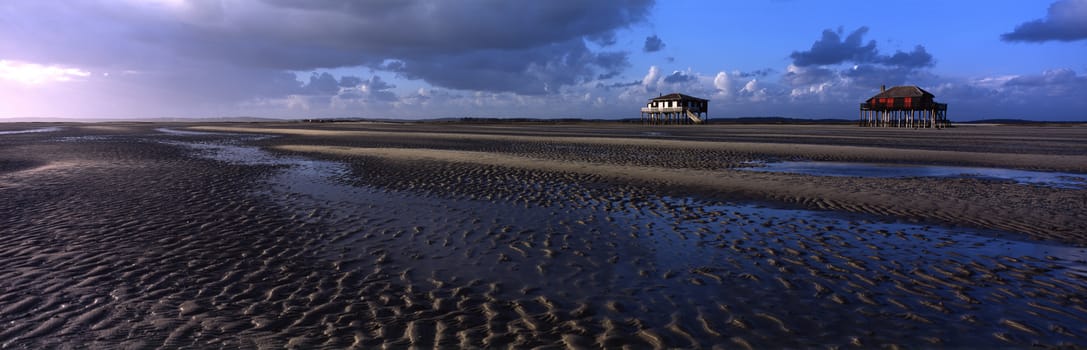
point(668, 109)
point(916, 106)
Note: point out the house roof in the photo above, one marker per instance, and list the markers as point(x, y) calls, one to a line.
point(676, 97)
point(904, 91)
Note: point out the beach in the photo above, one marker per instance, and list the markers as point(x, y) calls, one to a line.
point(524, 235)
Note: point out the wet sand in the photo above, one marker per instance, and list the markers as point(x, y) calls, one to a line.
point(578, 236)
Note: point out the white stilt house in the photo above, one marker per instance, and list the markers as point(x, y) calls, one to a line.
point(676, 108)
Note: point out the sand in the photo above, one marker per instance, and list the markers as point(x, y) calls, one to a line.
point(985, 210)
point(1077, 163)
point(377, 235)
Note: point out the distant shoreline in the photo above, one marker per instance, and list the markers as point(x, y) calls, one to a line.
point(527, 121)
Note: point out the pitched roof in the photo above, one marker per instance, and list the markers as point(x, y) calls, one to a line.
point(904, 91)
point(676, 96)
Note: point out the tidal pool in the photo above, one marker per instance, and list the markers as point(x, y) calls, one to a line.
point(1050, 179)
point(48, 129)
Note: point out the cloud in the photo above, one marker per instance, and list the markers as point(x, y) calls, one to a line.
point(619, 84)
point(541, 70)
point(758, 73)
point(349, 92)
point(603, 39)
point(722, 83)
point(914, 59)
point(831, 49)
point(378, 90)
point(678, 77)
point(1053, 82)
point(651, 77)
point(34, 74)
point(524, 48)
point(653, 44)
point(1054, 94)
point(323, 84)
point(797, 75)
point(837, 70)
point(349, 81)
point(1066, 20)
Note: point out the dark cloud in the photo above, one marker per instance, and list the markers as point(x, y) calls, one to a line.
point(1055, 94)
point(376, 83)
point(1066, 20)
point(870, 76)
point(451, 26)
point(831, 49)
point(433, 40)
point(1054, 82)
point(618, 85)
point(374, 89)
point(540, 70)
point(603, 39)
point(350, 81)
point(378, 90)
point(916, 58)
point(958, 91)
point(678, 77)
point(758, 73)
point(322, 84)
point(653, 44)
point(808, 76)
point(612, 63)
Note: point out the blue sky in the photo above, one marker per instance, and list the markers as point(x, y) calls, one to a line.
point(599, 59)
point(750, 35)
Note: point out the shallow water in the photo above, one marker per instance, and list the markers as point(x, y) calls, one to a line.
point(1050, 179)
point(672, 266)
point(186, 132)
point(48, 129)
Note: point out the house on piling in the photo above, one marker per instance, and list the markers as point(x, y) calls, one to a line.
point(676, 108)
point(904, 107)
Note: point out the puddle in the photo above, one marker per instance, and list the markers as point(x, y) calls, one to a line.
point(49, 129)
point(227, 147)
point(1050, 179)
point(186, 132)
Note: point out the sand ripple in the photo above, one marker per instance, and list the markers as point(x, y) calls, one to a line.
point(267, 251)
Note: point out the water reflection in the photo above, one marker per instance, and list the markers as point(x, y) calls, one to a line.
point(1050, 179)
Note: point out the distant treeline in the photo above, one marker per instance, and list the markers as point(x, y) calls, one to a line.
point(1026, 122)
point(741, 120)
point(478, 120)
point(744, 120)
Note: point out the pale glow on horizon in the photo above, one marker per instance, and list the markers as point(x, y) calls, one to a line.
point(37, 74)
point(169, 3)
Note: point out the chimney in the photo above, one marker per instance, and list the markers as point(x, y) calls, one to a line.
point(883, 88)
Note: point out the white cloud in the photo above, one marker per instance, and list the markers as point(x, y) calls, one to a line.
point(651, 78)
point(297, 102)
point(723, 84)
point(37, 74)
point(751, 86)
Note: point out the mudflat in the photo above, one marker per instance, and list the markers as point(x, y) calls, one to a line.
point(270, 235)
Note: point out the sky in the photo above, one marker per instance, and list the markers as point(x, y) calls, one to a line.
point(414, 59)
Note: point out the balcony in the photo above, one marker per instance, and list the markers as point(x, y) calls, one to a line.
point(667, 109)
point(903, 107)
